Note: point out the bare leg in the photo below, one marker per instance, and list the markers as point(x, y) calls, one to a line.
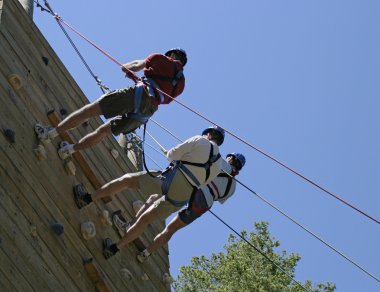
point(166, 234)
point(115, 186)
point(79, 116)
point(138, 228)
point(93, 138)
point(146, 205)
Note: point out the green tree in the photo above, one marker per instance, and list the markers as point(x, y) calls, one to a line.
point(241, 268)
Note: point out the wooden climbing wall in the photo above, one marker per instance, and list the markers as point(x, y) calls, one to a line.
point(35, 194)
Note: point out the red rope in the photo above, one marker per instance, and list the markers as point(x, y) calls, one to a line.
point(135, 78)
point(130, 73)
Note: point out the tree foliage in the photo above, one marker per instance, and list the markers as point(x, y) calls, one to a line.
point(241, 268)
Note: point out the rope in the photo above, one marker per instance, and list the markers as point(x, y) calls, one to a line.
point(102, 87)
point(278, 161)
point(286, 215)
point(168, 131)
point(260, 252)
point(135, 78)
point(233, 230)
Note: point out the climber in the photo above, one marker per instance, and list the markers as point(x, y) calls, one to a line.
point(220, 189)
point(130, 107)
point(193, 163)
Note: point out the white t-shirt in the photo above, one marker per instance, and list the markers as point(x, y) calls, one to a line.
point(197, 150)
point(219, 187)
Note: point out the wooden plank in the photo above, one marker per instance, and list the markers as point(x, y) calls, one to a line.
point(51, 100)
point(25, 256)
point(19, 117)
point(12, 274)
point(42, 252)
point(48, 200)
point(54, 120)
point(96, 275)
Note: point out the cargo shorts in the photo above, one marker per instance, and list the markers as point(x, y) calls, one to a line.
point(120, 105)
point(196, 208)
point(180, 190)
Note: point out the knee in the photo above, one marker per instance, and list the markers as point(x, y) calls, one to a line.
point(165, 235)
point(151, 199)
point(129, 182)
point(104, 129)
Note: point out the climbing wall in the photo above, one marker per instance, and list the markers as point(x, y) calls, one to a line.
point(42, 247)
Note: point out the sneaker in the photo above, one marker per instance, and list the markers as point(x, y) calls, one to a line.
point(141, 257)
point(64, 150)
point(80, 194)
point(42, 133)
point(120, 223)
point(107, 252)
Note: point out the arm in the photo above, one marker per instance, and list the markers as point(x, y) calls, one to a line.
point(177, 152)
point(134, 66)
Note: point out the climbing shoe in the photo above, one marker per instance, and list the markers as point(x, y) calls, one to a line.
point(81, 196)
point(141, 257)
point(120, 223)
point(109, 248)
point(65, 150)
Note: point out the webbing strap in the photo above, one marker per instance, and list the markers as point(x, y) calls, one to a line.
point(207, 165)
point(212, 192)
point(189, 174)
point(139, 88)
point(176, 203)
point(167, 178)
point(151, 85)
point(136, 115)
point(229, 183)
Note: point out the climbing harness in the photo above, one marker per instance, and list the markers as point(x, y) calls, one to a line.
point(168, 174)
point(167, 178)
point(207, 165)
point(173, 80)
point(132, 76)
point(228, 187)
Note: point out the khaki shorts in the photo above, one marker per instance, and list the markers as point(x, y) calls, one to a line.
point(119, 104)
point(179, 190)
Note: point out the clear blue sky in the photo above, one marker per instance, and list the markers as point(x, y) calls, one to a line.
point(298, 79)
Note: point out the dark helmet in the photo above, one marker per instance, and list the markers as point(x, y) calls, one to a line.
point(240, 157)
point(181, 54)
point(217, 129)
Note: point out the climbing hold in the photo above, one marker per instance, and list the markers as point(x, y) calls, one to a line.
point(88, 230)
point(33, 231)
point(144, 277)
point(10, 135)
point(167, 279)
point(105, 218)
point(126, 274)
point(85, 123)
point(45, 60)
point(63, 112)
point(58, 228)
point(114, 153)
point(137, 205)
point(15, 82)
point(40, 152)
point(70, 167)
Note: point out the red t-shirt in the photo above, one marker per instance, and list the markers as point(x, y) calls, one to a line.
point(162, 70)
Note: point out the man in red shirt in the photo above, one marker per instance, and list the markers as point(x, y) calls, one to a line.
point(130, 107)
